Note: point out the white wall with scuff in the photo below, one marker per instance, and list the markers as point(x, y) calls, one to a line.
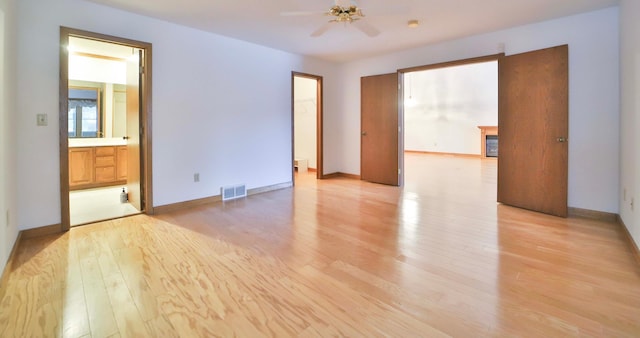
point(593, 94)
point(8, 144)
point(630, 117)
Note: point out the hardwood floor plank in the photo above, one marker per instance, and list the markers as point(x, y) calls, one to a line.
point(335, 257)
point(99, 308)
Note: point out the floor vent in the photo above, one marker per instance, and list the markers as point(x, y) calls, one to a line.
point(233, 192)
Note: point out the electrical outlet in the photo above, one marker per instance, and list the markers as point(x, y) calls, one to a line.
point(196, 177)
point(42, 120)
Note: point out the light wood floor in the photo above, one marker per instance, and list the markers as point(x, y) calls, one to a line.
point(335, 257)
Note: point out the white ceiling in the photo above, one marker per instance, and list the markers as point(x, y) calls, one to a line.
point(261, 22)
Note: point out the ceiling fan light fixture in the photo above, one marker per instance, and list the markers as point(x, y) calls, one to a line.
point(413, 23)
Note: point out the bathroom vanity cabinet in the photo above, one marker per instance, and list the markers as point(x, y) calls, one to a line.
point(91, 167)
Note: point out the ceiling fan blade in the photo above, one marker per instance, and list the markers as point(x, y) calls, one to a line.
point(366, 28)
point(301, 13)
point(321, 30)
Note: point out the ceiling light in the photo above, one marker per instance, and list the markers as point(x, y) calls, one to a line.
point(412, 23)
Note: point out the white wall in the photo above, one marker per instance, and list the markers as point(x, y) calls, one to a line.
point(305, 119)
point(8, 227)
point(444, 107)
point(85, 68)
point(219, 106)
point(630, 116)
point(593, 94)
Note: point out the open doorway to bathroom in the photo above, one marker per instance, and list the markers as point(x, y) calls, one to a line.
point(105, 145)
point(307, 125)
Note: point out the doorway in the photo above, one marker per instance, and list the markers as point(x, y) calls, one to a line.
point(450, 120)
point(307, 125)
point(533, 90)
point(105, 152)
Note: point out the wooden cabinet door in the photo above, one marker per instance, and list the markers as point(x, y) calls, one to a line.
point(121, 163)
point(533, 117)
point(379, 162)
point(105, 164)
point(81, 167)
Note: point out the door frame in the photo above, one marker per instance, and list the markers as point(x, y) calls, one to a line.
point(401, 75)
point(145, 119)
point(319, 123)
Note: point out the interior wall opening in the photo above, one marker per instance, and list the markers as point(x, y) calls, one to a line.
point(307, 125)
point(450, 114)
point(97, 121)
point(105, 146)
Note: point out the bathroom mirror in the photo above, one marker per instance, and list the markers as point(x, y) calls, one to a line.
point(96, 110)
point(85, 112)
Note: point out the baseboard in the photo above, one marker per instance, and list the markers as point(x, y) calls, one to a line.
point(9, 266)
point(339, 174)
point(212, 199)
point(269, 188)
point(445, 154)
point(41, 231)
point(632, 243)
point(593, 214)
point(162, 209)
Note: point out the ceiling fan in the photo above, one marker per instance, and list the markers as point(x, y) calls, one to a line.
point(343, 11)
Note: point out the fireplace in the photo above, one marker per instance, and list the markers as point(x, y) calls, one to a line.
point(488, 141)
point(491, 146)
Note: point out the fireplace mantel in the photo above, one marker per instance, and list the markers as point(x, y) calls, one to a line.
point(484, 131)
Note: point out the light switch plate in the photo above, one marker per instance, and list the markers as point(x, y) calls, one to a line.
point(42, 120)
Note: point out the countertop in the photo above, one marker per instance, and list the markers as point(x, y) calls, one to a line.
point(96, 142)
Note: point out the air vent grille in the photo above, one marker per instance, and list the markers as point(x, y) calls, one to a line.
point(233, 191)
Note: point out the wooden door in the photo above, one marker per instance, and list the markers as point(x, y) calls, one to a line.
point(533, 117)
point(133, 130)
point(379, 161)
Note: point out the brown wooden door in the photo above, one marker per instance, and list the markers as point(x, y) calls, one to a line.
point(379, 123)
point(533, 127)
point(133, 130)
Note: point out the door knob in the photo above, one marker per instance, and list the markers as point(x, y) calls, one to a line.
point(125, 137)
point(561, 139)
point(364, 133)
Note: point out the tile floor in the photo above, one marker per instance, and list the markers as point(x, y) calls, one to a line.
point(92, 205)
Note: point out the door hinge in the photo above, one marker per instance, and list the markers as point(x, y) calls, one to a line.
point(141, 130)
point(141, 69)
point(399, 171)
